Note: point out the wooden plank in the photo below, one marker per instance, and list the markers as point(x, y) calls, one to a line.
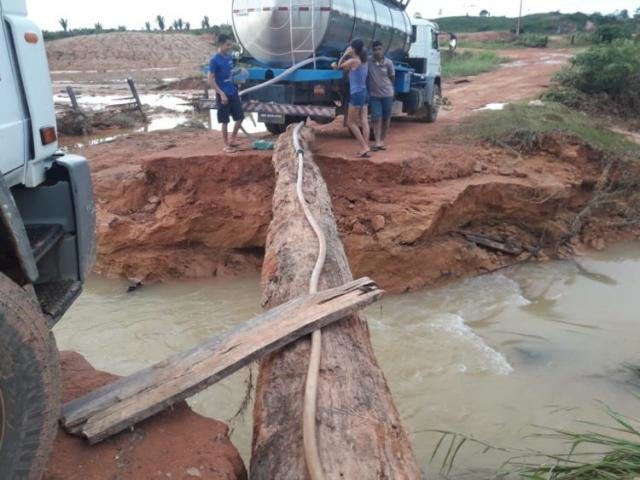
point(120, 405)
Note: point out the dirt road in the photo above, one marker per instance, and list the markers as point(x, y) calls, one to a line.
point(525, 77)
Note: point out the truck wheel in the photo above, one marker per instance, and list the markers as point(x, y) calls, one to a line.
point(433, 107)
point(29, 385)
point(276, 128)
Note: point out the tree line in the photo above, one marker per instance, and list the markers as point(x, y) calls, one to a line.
point(158, 25)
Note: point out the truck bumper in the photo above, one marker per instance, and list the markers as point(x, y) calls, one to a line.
point(271, 112)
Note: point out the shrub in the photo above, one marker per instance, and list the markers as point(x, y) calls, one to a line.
point(532, 41)
point(604, 68)
point(606, 77)
point(610, 32)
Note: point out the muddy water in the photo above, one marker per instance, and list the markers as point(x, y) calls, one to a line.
point(168, 111)
point(489, 357)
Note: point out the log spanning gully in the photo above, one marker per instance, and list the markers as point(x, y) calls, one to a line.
point(323, 408)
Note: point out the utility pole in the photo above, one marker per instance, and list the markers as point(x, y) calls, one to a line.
point(519, 20)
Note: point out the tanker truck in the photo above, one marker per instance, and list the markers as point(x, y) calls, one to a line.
point(47, 245)
point(278, 34)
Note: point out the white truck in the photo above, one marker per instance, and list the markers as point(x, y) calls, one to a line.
point(284, 33)
point(47, 245)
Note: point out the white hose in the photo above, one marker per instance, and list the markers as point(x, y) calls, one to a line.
point(309, 434)
point(278, 78)
point(284, 74)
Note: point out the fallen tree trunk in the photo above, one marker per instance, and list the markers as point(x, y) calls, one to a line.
point(360, 434)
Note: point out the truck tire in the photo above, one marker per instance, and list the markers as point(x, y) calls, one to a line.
point(29, 385)
point(432, 108)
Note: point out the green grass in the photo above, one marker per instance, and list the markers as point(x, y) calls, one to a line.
point(610, 453)
point(488, 45)
point(603, 452)
point(525, 41)
point(470, 63)
point(522, 127)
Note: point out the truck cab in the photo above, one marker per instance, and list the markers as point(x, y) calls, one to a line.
point(47, 244)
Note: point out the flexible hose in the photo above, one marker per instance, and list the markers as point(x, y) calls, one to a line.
point(309, 434)
point(285, 74)
point(278, 78)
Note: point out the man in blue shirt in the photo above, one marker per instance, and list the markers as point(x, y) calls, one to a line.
point(221, 80)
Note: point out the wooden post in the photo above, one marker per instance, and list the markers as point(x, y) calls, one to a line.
point(136, 97)
point(74, 100)
point(360, 434)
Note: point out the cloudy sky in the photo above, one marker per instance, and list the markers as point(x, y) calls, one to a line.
point(133, 13)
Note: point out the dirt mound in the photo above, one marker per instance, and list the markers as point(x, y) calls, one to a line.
point(176, 444)
point(129, 51)
point(81, 123)
point(191, 83)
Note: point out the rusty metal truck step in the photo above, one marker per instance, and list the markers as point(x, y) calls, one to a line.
point(56, 297)
point(43, 238)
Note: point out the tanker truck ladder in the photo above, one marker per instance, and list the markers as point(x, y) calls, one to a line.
point(310, 29)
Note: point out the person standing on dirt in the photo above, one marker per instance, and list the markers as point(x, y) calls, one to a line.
point(228, 100)
point(382, 76)
point(354, 61)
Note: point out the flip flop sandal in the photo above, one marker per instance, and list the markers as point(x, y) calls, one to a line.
point(229, 150)
point(364, 155)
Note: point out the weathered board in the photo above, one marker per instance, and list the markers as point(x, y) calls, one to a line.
point(120, 405)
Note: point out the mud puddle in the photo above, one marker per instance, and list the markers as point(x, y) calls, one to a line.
point(488, 357)
point(166, 112)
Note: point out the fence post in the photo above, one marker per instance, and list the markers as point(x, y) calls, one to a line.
point(74, 100)
point(134, 92)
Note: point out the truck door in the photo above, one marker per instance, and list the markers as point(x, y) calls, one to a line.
point(14, 121)
point(433, 57)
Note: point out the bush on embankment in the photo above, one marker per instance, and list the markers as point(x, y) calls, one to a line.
point(604, 78)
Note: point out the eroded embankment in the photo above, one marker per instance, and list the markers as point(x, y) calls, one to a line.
point(184, 211)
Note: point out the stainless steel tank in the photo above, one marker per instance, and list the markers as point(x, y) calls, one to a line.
point(280, 33)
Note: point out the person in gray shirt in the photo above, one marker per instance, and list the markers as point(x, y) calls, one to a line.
point(382, 75)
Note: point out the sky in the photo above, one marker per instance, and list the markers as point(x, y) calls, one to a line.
point(134, 13)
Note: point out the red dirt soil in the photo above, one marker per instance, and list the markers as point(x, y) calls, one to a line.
point(171, 206)
point(176, 444)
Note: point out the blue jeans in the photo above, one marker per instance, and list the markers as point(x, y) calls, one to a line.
point(380, 107)
point(359, 99)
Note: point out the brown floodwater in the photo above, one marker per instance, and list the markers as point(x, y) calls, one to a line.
point(495, 357)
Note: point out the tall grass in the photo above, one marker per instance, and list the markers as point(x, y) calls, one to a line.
point(604, 452)
point(523, 127)
point(470, 63)
point(611, 453)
